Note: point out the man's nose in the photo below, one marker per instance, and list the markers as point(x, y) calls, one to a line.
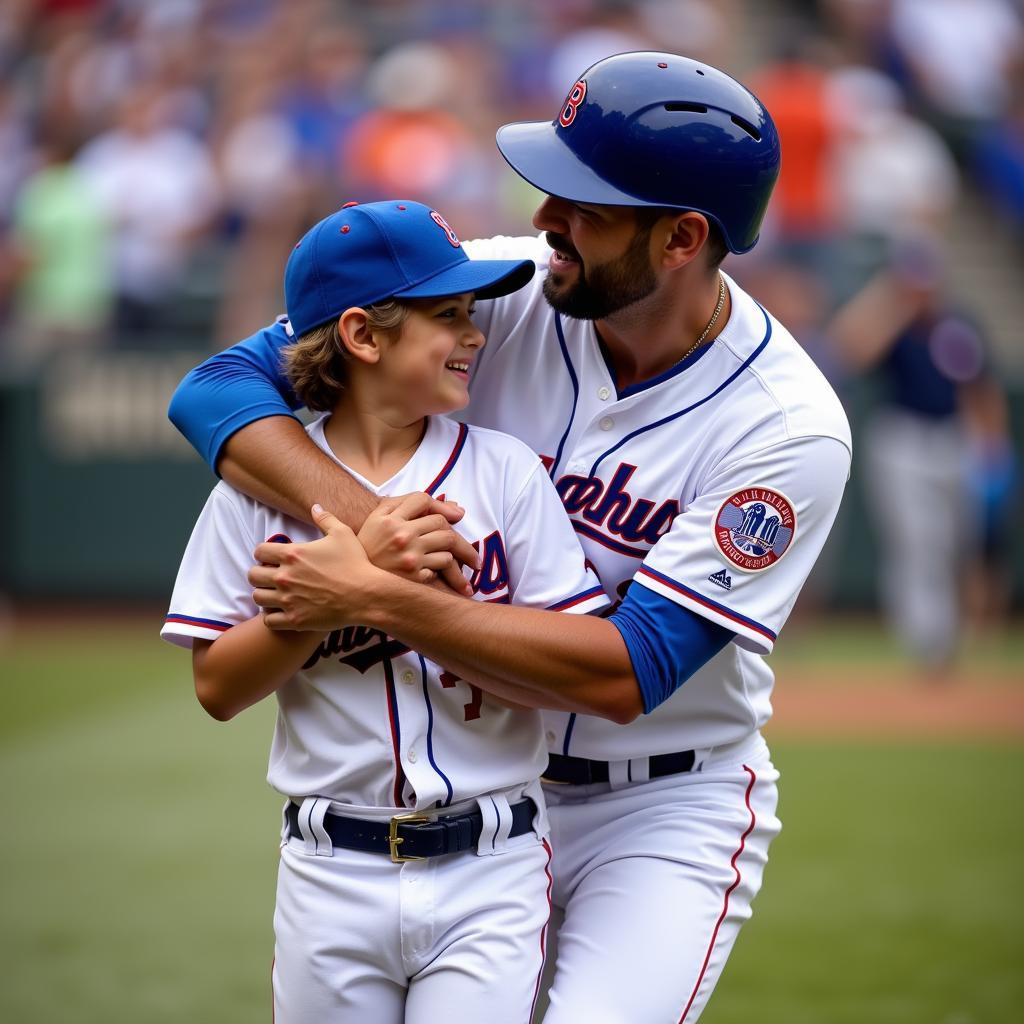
point(552, 215)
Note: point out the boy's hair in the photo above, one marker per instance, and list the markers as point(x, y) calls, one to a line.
point(317, 363)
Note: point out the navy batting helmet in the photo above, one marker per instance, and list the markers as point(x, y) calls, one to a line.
point(655, 129)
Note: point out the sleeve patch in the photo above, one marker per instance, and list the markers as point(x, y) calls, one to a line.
point(754, 528)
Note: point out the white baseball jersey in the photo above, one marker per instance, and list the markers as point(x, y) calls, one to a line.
point(367, 722)
point(714, 484)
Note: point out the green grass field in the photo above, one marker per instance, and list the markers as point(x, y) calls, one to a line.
point(137, 867)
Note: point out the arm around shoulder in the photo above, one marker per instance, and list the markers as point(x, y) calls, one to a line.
point(235, 387)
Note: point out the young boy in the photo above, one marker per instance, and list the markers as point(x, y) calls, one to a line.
point(414, 864)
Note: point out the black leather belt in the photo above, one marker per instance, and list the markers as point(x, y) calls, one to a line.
point(578, 771)
point(412, 836)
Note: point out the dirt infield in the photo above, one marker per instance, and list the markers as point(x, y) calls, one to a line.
point(983, 705)
point(846, 689)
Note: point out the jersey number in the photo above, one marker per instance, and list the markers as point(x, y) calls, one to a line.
point(472, 709)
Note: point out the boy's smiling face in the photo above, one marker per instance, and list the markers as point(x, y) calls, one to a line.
point(428, 364)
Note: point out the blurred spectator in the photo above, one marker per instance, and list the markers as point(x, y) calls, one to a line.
point(795, 88)
point(266, 200)
point(63, 289)
point(15, 144)
point(992, 479)
point(999, 158)
point(409, 143)
point(933, 367)
point(958, 57)
point(613, 28)
point(82, 70)
point(895, 178)
point(322, 97)
point(158, 188)
point(18, 162)
point(702, 29)
point(859, 29)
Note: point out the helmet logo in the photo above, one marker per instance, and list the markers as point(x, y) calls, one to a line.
point(572, 101)
point(446, 228)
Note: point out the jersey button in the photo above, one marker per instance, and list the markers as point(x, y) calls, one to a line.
point(604, 394)
point(412, 755)
point(408, 677)
point(607, 423)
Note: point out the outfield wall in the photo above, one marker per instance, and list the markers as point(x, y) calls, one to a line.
point(100, 492)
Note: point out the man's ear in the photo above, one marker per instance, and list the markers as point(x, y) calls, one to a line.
point(687, 233)
point(356, 337)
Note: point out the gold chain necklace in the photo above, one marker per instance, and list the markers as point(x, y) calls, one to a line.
point(711, 323)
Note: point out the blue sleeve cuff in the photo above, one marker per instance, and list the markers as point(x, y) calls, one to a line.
point(235, 387)
point(666, 642)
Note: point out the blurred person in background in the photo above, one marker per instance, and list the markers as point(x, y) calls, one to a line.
point(16, 142)
point(17, 164)
point(157, 186)
point(894, 176)
point(267, 200)
point(999, 159)
point(858, 29)
point(63, 275)
point(611, 26)
point(993, 482)
point(411, 141)
point(938, 456)
point(957, 59)
point(701, 27)
point(803, 220)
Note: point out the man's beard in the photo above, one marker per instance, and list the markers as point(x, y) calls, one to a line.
point(607, 287)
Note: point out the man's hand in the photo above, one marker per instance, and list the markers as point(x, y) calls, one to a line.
point(412, 536)
point(321, 585)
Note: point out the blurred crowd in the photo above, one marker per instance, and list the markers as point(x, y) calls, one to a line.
point(161, 157)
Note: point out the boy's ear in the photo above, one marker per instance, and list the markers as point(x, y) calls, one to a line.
point(356, 337)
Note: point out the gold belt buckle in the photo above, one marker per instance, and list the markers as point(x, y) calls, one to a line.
point(395, 840)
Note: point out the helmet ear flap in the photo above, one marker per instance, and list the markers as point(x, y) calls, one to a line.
point(658, 130)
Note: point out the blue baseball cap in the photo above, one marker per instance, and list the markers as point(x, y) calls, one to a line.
point(366, 253)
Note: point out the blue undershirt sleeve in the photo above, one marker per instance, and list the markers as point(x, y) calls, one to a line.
point(667, 643)
point(235, 387)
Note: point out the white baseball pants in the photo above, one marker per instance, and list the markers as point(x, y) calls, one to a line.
point(361, 939)
point(916, 480)
point(656, 879)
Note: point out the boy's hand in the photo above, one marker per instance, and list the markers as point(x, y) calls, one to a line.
point(412, 536)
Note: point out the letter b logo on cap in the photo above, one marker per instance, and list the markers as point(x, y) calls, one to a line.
point(446, 228)
point(576, 96)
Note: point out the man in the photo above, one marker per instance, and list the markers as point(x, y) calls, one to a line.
point(700, 455)
point(940, 424)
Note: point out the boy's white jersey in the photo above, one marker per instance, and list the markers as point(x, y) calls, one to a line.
point(714, 484)
point(367, 722)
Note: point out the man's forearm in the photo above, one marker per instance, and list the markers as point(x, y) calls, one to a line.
point(508, 692)
point(274, 461)
point(546, 659)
